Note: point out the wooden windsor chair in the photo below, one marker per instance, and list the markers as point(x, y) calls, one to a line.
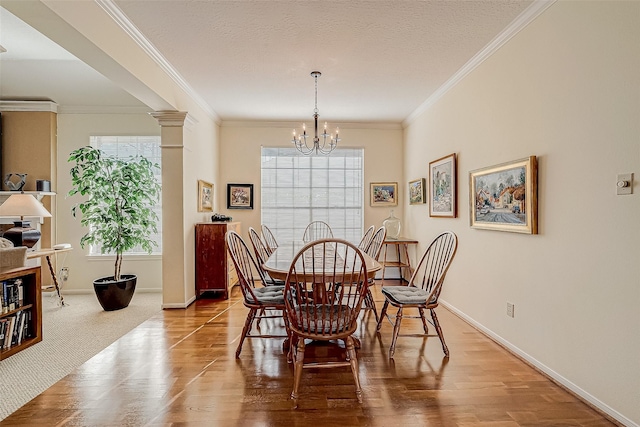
point(257, 299)
point(324, 291)
point(423, 289)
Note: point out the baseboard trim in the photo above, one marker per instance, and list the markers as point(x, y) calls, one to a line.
point(179, 304)
point(563, 382)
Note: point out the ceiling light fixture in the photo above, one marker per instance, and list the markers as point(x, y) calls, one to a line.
point(300, 141)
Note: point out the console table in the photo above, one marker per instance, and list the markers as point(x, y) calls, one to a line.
point(403, 262)
point(46, 253)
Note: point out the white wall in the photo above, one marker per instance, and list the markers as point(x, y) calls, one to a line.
point(74, 131)
point(565, 89)
point(240, 149)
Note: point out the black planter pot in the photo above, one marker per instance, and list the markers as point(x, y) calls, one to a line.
point(115, 295)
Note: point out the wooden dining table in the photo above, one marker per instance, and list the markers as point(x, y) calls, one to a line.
point(279, 263)
point(280, 260)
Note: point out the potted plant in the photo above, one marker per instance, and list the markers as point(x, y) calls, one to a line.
point(118, 213)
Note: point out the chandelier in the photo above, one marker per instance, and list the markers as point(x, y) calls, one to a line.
point(329, 142)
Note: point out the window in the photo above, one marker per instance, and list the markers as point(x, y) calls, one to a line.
point(129, 146)
point(298, 189)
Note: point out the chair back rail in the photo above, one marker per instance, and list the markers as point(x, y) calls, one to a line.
point(269, 238)
point(434, 264)
point(244, 263)
point(375, 244)
point(324, 290)
point(366, 238)
point(317, 230)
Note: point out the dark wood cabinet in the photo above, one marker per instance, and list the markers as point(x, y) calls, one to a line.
point(215, 271)
point(25, 313)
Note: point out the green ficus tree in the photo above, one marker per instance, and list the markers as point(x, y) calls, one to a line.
point(121, 195)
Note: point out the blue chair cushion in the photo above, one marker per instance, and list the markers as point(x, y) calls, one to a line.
point(269, 295)
point(406, 294)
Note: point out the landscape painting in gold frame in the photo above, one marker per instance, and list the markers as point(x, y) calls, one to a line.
point(443, 185)
point(505, 197)
point(205, 196)
point(383, 194)
point(417, 191)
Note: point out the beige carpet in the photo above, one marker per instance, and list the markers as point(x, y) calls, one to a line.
point(71, 336)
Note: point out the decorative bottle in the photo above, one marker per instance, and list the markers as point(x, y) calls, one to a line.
point(392, 224)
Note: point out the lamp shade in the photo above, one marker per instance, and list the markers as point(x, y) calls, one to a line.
point(21, 205)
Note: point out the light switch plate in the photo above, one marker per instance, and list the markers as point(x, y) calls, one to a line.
point(624, 184)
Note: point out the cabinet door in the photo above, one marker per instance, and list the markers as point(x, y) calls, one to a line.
point(211, 258)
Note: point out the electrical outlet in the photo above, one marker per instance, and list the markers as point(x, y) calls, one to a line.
point(64, 273)
point(510, 309)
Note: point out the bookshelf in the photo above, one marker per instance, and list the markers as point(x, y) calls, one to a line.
point(30, 309)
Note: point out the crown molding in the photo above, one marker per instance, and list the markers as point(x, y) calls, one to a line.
point(112, 9)
point(48, 106)
point(525, 18)
point(103, 109)
point(297, 124)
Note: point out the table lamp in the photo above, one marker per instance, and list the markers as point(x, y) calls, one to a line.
point(22, 205)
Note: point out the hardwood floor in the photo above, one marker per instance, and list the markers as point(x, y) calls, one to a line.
point(179, 369)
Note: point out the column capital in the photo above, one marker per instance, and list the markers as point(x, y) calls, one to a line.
point(169, 118)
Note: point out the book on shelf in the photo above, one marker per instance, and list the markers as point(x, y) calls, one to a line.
point(11, 295)
point(4, 323)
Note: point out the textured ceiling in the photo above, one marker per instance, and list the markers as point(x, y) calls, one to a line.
point(380, 60)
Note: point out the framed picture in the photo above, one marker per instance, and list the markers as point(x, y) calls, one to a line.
point(416, 191)
point(240, 196)
point(205, 196)
point(384, 194)
point(443, 187)
point(505, 197)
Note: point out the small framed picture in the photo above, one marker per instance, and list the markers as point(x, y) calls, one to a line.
point(384, 194)
point(443, 187)
point(416, 191)
point(239, 196)
point(205, 196)
point(505, 197)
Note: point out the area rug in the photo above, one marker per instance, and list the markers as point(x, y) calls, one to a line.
point(71, 335)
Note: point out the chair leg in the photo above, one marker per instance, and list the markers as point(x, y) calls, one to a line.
point(260, 317)
point(424, 321)
point(298, 363)
point(370, 303)
point(353, 360)
point(396, 331)
point(383, 313)
point(246, 330)
point(440, 334)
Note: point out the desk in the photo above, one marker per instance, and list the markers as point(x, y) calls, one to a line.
point(46, 253)
point(402, 253)
point(280, 260)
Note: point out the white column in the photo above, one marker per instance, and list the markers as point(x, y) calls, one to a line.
point(174, 265)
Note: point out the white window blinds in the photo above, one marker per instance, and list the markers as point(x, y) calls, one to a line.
point(298, 189)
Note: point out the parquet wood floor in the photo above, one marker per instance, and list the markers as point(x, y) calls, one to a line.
point(179, 369)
